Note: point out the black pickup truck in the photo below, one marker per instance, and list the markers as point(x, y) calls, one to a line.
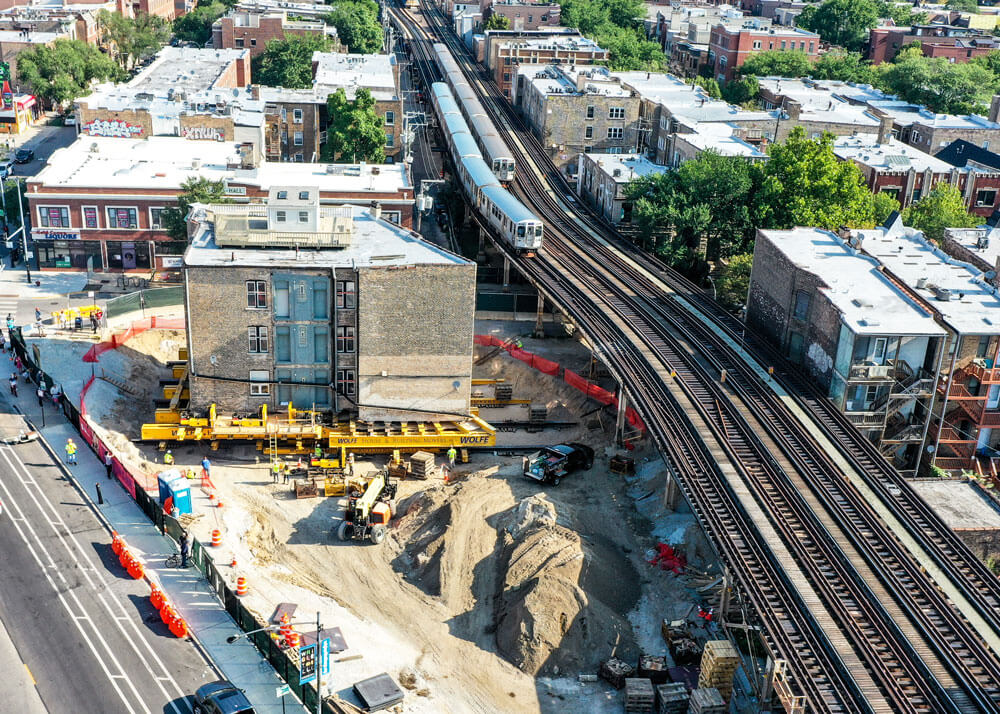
point(553, 463)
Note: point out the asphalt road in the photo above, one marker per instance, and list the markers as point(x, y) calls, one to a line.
point(83, 631)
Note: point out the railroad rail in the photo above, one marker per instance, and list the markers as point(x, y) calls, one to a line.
point(950, 654)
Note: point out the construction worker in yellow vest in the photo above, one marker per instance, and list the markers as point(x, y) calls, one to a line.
point(71, 452)
point(168, 459)
point(451, 457)
point(275, 471)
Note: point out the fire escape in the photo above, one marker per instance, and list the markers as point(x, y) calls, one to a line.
point(967, 413)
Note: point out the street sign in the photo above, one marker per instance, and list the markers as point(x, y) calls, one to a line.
point(324, 657)
point(307, 664)
point(282, 690)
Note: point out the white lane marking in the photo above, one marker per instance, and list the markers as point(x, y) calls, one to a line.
point(83, 561)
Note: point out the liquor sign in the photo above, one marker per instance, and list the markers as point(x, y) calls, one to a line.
point(112, 128)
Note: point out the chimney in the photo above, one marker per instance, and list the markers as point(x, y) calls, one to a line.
point(376, 210)
point(255, 91)
point(793, 109)
point(995, 108)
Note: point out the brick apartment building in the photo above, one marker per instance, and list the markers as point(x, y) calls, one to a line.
point(956, 44)
point(731, 45)
point(100, 200)
point(241, 29)
point(322, 328)
point(524, 15)
point(23, 28)
point(506, 50)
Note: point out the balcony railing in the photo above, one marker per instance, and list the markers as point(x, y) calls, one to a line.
point(983, 370)
point(866, 420)
point(954, 463)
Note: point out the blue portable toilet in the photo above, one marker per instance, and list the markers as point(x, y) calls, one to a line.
point(173, 485)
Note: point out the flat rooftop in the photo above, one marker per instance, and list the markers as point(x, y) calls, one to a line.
point(374, 243)
point(960, 505)
point(167, 103)
point(983, 242)
point(565, 79)
point(974, 308)
point(629, 166)
point(571, 42)
point(868, 301)
point(165, 162)
point(906, 114)
point(891, 155)
point(39, 38)
point(686, 101)
point(721, 138)
point(820, 105)
point(334, 70)
point(185, 69)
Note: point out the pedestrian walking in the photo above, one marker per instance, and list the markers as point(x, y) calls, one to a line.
point(10, 322)
point(55, 392)
point(185, 548)
point(40, 392)
point(3, 343)
point(206, 466)
point(451, 457)
point(108, 462)
point(13, 384)
point(18, 364)
point(70, 452)
point(38, 315)
point(26, 374)
point(93, 322)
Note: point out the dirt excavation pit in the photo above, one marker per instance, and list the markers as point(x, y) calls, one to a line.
point(559, 603)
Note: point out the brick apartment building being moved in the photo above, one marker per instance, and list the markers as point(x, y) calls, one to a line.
point(100, 201)
point(244, 29)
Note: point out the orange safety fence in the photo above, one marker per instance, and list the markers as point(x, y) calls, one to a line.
point(569, 376)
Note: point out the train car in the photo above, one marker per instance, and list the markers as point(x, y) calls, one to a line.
point(464, 146)
point(518, 226)
point(494, 149)
point(475, 175)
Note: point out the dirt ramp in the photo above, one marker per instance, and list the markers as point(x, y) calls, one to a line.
point(546, 621)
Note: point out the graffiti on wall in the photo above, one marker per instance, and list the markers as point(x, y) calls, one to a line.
point(112, 127)
point(203, 133)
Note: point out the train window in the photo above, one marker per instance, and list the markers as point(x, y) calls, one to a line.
point(520, 231)
point(538, 230)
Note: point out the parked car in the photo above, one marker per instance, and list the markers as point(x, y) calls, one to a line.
point(553, 463)
point(6, 167)
point(69, 120)
point(24, 156)
point(221, 697)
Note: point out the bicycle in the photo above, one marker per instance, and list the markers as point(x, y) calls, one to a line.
point(173, 561)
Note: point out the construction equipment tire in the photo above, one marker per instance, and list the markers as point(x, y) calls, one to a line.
point(377, 534)
point(345, 531)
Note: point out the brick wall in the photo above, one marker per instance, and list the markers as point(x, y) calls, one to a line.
point(530, 17)
point(227, 35)
point(416, 325)
point(207, 127)
point(139, 123)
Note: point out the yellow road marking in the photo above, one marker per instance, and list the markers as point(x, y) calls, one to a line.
point(33, 682)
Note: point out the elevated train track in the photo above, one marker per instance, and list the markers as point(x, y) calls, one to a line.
point(894, 642)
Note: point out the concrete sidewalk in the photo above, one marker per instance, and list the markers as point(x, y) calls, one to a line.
point(189, 593)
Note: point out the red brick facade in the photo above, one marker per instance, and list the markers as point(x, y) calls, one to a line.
point(729, 47)
point(254, 31)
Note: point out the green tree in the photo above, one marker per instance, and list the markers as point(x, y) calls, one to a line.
point(196, 26)
point(496, 21)
point(64, 71)
point(587, 16)
point(194, 190)
point(943, 207)
point(901, 15)
point(742, 90)
point(616, 25)
point(963, 5)
point(885, 204)
point(357, 24)
point(990, 61)
point(778, 63)
point(628, 50)
point(356, 132)
point(942, 86)
point(288, 63)
point(841, 22)
point(710, 85)
point(129, 39)
point(844, 66)
point(732, 282)
point(804, 184)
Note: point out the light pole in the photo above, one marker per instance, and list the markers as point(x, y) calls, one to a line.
point(319, 665)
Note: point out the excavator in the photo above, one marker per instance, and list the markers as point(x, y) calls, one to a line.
point(368, 514)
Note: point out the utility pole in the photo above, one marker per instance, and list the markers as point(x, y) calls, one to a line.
point(319, 666)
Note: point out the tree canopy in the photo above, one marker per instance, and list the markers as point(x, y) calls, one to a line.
point(288, 63)
point(616, 25)
point(963, 5)
point(844, 66)
point(841, 22)
point(63, 71)
point(732, 283)
point(357, 25)
point(778, 63)
point(943, 207)
point(496, 21)
point(942, 86)
point(742, 90)
point(356, 132)
point(129, 39)
point(196, 26)
point(194, 190)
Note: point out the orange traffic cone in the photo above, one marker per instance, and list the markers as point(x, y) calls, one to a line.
point(211, 498)
point(293, 639)
point(156, 596)
point(232, 563)
point(178, 628)
point(218, 503)
point(216, 538)
point(242, 586)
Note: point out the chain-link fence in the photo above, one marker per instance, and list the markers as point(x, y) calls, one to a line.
point(144, 300)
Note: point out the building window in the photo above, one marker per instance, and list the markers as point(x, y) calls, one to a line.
point(239, 43)
point(282, 345)
point(256, 294)
point(390, 140)
point(284, 114)
point(615, 149)
point(279, 216)
point(660, 144)
point(345, 339)
point(284, 136)
point(589, 133)
point(390, 118)
point(812, 47)
point(320, 307)
point(756, 44)
point(90, 217)
point(156, 218)
point(347, 298)
point(257, 338)
point(53, 216)
point(615, 132)
point(345, 382)
point(282, 195)
point(298, 138)
point(298, 158)
point(801, 305)
point(321, 343)
point(590, 112)
point(986, 197)
point(253, 41)
point(259, 386)
point(588, 149)
point(296, 116)
point(795, 344)
point(123, 218)
point(616, 113)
